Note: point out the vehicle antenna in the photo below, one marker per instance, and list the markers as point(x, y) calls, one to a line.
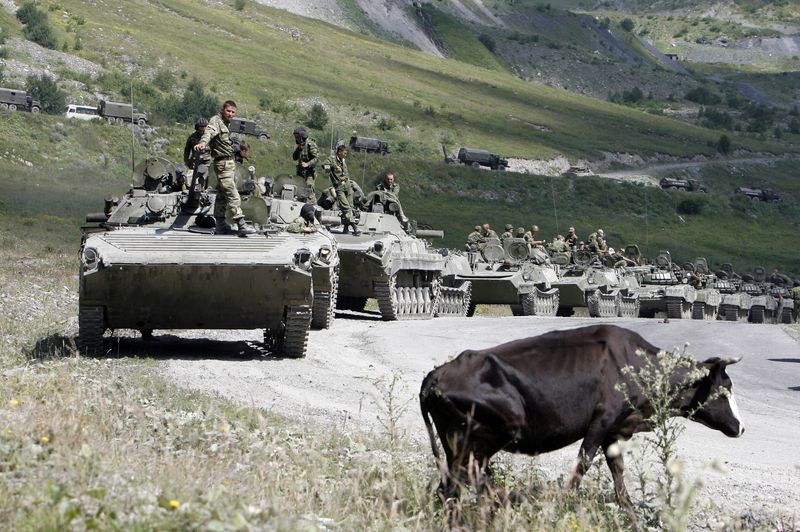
point(133, 134)
point(646, 224)
point(555, 209)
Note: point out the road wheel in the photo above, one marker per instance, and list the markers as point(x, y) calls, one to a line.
point(35, 109)
point(12, 107)
point(3, 107)
point(141, 122)
point(263, 136)
point(110, 119)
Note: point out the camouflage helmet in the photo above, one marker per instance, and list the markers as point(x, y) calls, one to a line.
point(477, 227)
point(301, 131)
point(509, 227)
point(534, 228)
point(600, 232)
point(520, 232)
point(201, 122)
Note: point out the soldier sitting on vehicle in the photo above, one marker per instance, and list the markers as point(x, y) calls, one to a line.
point(602, 245)
point(487, 232)
point(389, 185)
point(474, 239)
point(508, 232)
point(532, 238)
point(559, 245)
point(306, 222)
point(388, 194)
point(571, 239)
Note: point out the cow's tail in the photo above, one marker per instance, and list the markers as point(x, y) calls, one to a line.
point(425, 395)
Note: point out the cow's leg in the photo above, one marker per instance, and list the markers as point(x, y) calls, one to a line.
point(617, 467)
point(591, 442)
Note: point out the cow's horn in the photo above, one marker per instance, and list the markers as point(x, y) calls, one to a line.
point(731, 360)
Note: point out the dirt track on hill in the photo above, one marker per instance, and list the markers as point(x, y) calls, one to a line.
point(339, 384)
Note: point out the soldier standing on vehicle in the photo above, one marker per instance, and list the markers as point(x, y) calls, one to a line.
point(217, 138)
point(306, 153)
point(189, 155)
point(306, 222)
point(571, 239)
point(508, 232)
point(336, 168)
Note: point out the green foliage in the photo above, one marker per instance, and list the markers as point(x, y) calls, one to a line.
point(78, 46)
point(691, 206)
point(3, 36)
point(239, 5)
point(317, 117)
point(794, 126)
point(759, 117)
point(4, 52)
point(386, 124)
point(37, 27)
point(264, 101)
point(715, 119)
point(523, 38)
point(703, 96)
point(164, 80)
point(627, 24)
point(724, 144)
point(195, 103)
point(488, 41)
point(45, 89)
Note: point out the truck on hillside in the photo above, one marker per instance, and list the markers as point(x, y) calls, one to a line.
point(244, 126)
point(476, 158)
point(685, 185)
point(13, 100)
point(119, 113)
point(759, 194)
point(369, 145)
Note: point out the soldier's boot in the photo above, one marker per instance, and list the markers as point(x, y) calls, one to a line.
point(244, 228)
point(221, 227)
point(345, 226)
point(356, 232)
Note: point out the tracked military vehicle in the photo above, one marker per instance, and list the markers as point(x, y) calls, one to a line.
point(583, 281)
point(388, 262)
point(153, 262)
point(763, 307)
point(508, 272)
point(735, 304)
point(706, 305)
point(662, 287)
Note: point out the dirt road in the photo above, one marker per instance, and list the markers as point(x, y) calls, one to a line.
point(336, 384)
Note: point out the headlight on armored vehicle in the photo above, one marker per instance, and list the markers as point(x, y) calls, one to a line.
point(91, 259)
point(325, 253)
point(378, 248)
point(526, 276)
point(303, 258)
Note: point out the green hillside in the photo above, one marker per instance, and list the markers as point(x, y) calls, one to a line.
point(276, 65)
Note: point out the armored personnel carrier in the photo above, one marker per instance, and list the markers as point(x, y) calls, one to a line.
point(508, 272)
point(735, 304)
point(583, 281)
point(763, 306)
point(153, 262)
point(706, 305)
point(387, 261)
point(664, 288)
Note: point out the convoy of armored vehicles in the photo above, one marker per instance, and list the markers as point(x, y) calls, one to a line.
point(683, 185)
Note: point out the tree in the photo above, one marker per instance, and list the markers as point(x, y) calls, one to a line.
point(45, 89)
point(317, 117)
point(627, 24)
point(724, 145)
point(196, 103)
point(238, 5)
point(37, 28)
point(488, 41)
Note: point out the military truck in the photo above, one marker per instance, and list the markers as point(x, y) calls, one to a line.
point(766, 195)
point(683, 185)
point(119, 113)
point(243, 126)
point(16, 100)
point(509, 272)
point(368, 145)
point(151, 261)
point(477, 158)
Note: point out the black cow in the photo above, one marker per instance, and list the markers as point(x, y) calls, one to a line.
point(540, 394)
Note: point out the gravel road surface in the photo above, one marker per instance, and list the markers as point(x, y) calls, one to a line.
point(341, 379)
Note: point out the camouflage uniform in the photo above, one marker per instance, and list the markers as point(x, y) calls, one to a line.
point(474, 239)
point(508, 233)
point(394, 189)
point(189, 157)
point(340, 180)
point(299, 224)
point(796, 298)
point(571, 239)
point(308, 152)
point(218, 140)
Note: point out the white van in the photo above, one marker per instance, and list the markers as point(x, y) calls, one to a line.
point(82, 112)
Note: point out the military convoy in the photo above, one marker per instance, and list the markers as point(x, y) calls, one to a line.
point(119, 113)
point(766, 195)
point(476, 158)
point(369, 145)
point(153, 262)
point(16, 100)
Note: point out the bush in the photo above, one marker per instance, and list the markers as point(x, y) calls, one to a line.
point(488, 41)
point(37, 28)
point(164, 80)
point(714, 119)
point(691, 206)
point(794, 126)
point(317, 117)
point(386, 124)
point(238, 5)
point(264, 101)
point(45, 89)
point(703, 96)
point(724, 145)
point(627, 24)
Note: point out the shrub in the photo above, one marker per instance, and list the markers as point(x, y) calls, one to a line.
point(627, 24)
point(317, 117)
point(724, 144)
point(37, 27)
point(703, 96)
point(45, 89)
point(238, 5)
point(716, 119)
point(164, 80)
point(488, 41)
point(264, 101)
point(386, 124)
point(78, 44)
point(794, 126)
point(634, 95)
point(691, 206)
